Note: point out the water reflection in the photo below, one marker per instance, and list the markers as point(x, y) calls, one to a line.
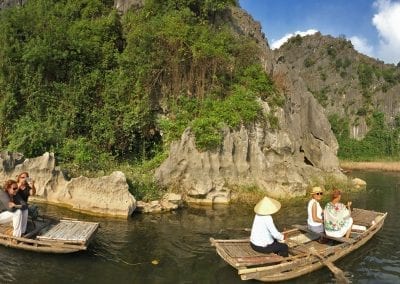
point(123, 250)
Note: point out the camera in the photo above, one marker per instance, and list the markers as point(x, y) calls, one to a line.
point(28, 180)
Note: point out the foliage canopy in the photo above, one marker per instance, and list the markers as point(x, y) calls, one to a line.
point(96, 87)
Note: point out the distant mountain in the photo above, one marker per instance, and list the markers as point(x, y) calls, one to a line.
point(346, 83)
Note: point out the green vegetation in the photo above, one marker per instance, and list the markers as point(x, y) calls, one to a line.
point(365, 75)
point(331, 51)
point(295, 40)
point(308, 62)
point(103, 90)
point(321, 95)
point(380, 142)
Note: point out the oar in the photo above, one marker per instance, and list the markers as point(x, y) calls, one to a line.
point(337, 272)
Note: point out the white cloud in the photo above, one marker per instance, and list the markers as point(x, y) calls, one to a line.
point(361, 45)
point(277, 43)
point(387, 22)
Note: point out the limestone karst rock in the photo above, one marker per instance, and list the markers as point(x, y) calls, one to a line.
point(107, 195)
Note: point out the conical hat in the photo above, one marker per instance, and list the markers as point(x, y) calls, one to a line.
point(267, 206)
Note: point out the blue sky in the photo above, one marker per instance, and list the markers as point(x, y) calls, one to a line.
point(373, 26)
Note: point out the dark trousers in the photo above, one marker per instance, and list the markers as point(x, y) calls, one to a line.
point(276, 247)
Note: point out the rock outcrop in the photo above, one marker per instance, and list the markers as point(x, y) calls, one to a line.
point(10, 3)
point(106, 195)
point(124, 5)
point(282, 162)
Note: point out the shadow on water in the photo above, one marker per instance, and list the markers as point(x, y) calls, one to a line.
point(178, 245)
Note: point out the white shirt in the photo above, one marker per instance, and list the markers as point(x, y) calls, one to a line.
point(310, 220)
point(264, 231)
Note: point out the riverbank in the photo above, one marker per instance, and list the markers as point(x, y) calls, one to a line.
point(382, 166)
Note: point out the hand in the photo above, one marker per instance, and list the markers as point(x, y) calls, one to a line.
point(349, 204)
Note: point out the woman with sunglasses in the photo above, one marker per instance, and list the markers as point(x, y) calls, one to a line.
point(13, 208)
point(26, 186)
point(315, 221)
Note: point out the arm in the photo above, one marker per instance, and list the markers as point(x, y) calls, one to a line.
point(32, 191)
point(314, 214)
point(349, 207)
point(274, 232)
point(12, 206)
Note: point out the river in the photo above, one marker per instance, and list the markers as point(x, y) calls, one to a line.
point(178, 245)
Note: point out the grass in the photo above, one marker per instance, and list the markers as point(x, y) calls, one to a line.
point(377, 165)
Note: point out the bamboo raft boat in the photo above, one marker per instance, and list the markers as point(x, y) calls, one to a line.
point(306, 254)
point(50, 235)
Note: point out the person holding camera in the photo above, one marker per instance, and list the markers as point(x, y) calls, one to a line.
point(13, 208)
point(26, 186)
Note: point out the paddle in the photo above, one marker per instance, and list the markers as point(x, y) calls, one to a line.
point(337, 272)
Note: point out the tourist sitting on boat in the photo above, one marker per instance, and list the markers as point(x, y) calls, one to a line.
point(27, 188)
point(314, 221)
point(13, 208)
point(337, 219)
point(264, 236)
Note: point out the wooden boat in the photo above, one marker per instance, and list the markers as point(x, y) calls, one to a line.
point(50, 235)
point(306, 253)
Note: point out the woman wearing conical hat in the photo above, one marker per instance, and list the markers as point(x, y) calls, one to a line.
point(264, 236)
point(314, 221)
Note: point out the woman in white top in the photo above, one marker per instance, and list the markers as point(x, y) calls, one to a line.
point(264, 236)
point(315, 221)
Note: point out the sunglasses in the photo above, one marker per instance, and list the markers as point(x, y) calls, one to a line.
point(319, 193)
point(14, 188)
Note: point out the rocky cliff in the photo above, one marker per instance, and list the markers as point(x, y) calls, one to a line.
point(344, 81)
point(281, 162)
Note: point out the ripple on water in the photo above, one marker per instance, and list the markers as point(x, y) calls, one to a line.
point(8, 266)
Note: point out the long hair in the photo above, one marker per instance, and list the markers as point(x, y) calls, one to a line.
point(8, 184)
point(23, 173)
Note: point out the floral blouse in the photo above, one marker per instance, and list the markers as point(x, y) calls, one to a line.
point(336, 216)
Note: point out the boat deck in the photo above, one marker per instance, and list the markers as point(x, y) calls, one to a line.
point(241, 254)
point(70, 231)
point(50, 235)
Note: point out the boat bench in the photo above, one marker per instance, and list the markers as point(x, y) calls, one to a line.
point(306, 229)
point(70, 231)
